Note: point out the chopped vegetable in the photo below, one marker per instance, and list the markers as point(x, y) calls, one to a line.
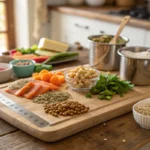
point(45, 52)
point(109, 85)
point(44, 75)
point(30, 50)
point(61, 56)
point(40, 67)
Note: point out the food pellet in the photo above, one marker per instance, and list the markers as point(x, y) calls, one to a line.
point(66, 108)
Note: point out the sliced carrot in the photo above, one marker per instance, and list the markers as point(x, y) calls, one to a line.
point(59, 73)
point(25, 89)
point(30, 94)
point(45, 77)
point(62, 78)
point(37, 77)
point(52, 86)
point(55, 80)
point(35, 74)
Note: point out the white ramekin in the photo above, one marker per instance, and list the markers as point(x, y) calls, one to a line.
point(142, 120)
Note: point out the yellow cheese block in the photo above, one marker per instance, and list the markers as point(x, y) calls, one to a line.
point(51, 45)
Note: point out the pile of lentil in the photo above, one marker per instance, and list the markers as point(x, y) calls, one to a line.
point(51, 97)
point(143, 109)
point(66, 108)
point(18, 84)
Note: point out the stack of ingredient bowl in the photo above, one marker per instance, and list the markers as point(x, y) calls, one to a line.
point(135, 65)
point(102, 55)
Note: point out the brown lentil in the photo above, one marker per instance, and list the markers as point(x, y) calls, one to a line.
point(66, 108)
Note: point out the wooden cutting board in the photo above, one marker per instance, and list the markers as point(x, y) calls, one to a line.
point(61, 127)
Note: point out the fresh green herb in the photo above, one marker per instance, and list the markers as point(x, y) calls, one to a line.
point(88, 95)
point(109, 85)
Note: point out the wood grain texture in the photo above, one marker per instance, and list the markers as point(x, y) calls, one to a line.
point(106, 136)
point(6, 128)
point(99, 13)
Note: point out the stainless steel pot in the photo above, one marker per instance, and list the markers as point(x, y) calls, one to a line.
point(104, 56)
point(136, 70)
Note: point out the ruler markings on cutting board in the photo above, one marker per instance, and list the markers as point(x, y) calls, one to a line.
point(36, 120)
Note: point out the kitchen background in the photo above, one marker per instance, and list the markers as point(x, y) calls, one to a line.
point(70, 28)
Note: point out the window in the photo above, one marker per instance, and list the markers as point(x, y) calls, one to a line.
point(7, 38)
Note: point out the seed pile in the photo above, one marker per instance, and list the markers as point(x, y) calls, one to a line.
point(66, 108)
point(143, 109)
point(19, 84)
point(51, 97)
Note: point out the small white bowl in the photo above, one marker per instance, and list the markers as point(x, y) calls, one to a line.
point(5, 74)
point(142, 120)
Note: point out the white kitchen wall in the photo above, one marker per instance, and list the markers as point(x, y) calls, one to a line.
point(21, 23)
point(24, 23)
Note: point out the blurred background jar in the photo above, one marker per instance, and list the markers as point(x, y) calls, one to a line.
point(125, 2)
point(75, 2)
point(95, 2)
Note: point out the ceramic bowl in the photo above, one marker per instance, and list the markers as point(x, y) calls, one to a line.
point(142, 120)
point(5, 72)
point(23, 71)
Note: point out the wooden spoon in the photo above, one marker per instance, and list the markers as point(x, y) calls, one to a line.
point(122, 25)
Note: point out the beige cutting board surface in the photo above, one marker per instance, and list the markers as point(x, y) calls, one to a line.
point(61, 127)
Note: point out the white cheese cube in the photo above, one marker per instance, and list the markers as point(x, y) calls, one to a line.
point(51, 45)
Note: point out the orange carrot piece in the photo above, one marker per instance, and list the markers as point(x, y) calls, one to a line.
point(35, 74)
point(43, 71)
point(30, 94)
point(45, 77)
point(62, 78)
point(37, 77)
point(25, 89)
point(55, 80)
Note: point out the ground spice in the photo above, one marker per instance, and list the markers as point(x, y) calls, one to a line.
point(19, 84)
point(51, 97)
point(143, 109)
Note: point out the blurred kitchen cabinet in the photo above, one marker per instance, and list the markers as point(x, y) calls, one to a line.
point(147, 39)
point(70, 28)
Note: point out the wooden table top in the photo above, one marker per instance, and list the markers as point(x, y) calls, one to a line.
point(121, 133)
